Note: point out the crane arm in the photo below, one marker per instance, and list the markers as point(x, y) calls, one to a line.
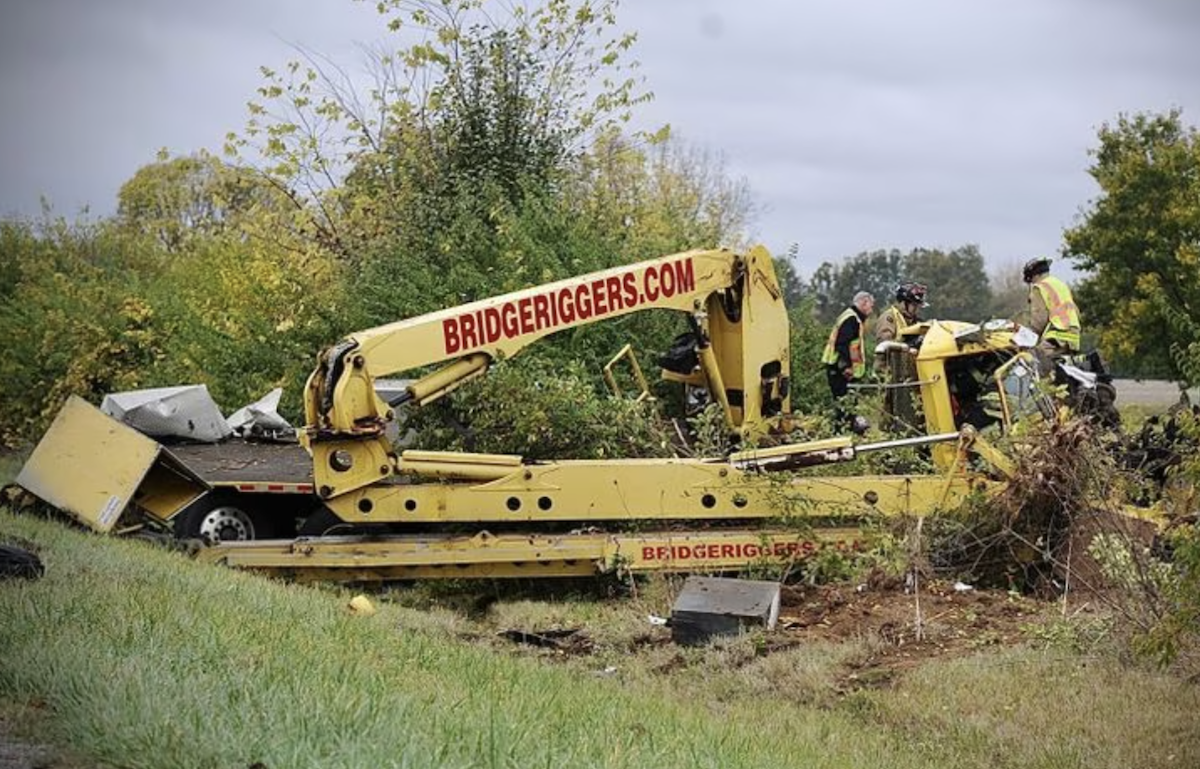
point(719, 288)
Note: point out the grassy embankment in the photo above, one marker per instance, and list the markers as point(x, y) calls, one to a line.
point(141, 658)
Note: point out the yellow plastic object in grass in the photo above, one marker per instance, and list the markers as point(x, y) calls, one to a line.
point(362, 606)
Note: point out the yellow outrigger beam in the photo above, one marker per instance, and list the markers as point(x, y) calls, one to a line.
point(355, 559)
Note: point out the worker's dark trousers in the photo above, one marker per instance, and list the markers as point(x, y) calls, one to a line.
point(839, 386)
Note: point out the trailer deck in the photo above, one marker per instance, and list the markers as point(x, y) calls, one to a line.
point(247, 463)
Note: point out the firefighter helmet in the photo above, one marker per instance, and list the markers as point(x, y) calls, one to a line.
point(913, 293)
point(1035, 267)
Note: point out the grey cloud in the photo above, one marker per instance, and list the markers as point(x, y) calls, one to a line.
point(92, 90)
point(877, 124)
point(858, 125)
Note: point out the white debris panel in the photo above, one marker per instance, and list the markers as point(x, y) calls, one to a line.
point(169, 412)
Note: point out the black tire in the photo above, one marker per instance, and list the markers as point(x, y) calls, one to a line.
point(225, 516)
point(18, 563)
point(323, 522)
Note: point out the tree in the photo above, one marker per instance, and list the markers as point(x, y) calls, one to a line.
point(958, 284)
point(834, 286)
point(75, 320)
point(175, 199)
point(1010, 293)
point(475, 96)
point(795, 290)
point(1140, 242)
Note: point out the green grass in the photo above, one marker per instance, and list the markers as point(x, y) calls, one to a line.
point(142, 658)
point(10, 465)
point(1132, 416)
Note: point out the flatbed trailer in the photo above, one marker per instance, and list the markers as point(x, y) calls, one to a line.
point(109, 476)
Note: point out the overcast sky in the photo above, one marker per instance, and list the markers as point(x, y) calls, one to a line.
point(857, 124)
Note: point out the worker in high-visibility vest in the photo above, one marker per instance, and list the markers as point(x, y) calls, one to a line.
point(844, 355)
point(1053, 315)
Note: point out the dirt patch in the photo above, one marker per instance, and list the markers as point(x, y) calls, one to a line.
point(897, 630)
point(903, 628)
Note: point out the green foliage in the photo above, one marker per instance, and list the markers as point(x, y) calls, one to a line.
point(809, 386)
point(532, 407)
point(879, 555)
point(1185, 341)
point(1162, 596)
point(175, 200)
point(77, 320)
point(1163, 586)
point(99, 307)
point(1179, 628)
point(1140, 239)
point(1127, 569)
point(472, 98)
point(1077, 635)
point(245, 317)
point(709, 433)
point(659, 197)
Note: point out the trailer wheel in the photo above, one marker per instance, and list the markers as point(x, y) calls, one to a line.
point(220, 517)
point(323, 522)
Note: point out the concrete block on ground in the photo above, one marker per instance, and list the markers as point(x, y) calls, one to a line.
point(709, 607)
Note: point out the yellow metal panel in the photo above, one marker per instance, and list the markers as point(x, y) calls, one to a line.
point(672, 282)
point(166, 491)
point(389, 572)
point(482, 552)
point(88, 464)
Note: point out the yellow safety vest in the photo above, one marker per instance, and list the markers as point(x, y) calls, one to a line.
point(1064, 315)
point(858, 366)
